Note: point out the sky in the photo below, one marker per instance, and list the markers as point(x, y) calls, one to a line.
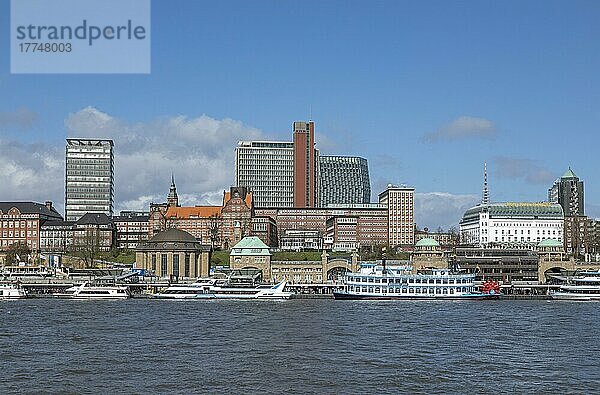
point(426, 91)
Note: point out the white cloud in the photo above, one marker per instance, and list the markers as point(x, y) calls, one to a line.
point(198, 151)
point(31, 172)
point(435, 209)
point(463, 127)
point(526, 169)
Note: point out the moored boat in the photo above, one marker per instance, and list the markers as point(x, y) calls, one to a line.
point(214, 289)
point(12, 291)
point(88, 291)
point(585, 286)
point(379, 282)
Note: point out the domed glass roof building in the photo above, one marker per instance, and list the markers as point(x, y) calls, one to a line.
point(512, 224)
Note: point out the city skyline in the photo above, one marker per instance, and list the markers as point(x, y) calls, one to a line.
point(420, 103)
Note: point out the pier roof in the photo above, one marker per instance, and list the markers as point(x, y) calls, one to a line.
point(550, 243)
point(250, 246)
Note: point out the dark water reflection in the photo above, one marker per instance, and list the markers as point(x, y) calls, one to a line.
point(309, 346)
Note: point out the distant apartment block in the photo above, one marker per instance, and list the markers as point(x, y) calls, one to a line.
point(265, 228)
point(132, 228)
point(400, 203)
point(301, 240)
point(89, 182)
point(267, 169)
point(348, 225)
point(343, 180)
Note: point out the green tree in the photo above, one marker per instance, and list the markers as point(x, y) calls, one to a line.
point(17, 252)
point(87, 244)
point(214, 230)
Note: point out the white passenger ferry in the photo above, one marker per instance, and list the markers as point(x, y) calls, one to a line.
point(88, 291)
point(12, 291)
point(585, 286)
point(218, 289)
point(380, 282)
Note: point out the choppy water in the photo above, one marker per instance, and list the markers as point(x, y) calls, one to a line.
point(308, 346)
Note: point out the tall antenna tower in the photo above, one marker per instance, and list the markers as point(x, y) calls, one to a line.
point(486, 195)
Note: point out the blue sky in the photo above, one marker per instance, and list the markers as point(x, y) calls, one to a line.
point(426, 91)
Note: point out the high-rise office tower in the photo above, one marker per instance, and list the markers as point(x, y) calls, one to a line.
point(568, 192)
point(267, 169)
point(89, 177)
point(401, 214)
point(343, 180)
point(306, 165)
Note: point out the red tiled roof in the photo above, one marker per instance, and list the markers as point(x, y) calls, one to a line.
point(196, 212)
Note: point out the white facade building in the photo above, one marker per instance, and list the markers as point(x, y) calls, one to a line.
point(89, 182)
point(267, 169)
point(400, 202)
point(511, 224)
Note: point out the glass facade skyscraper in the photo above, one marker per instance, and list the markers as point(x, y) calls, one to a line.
point(343, 180)
point(89, 178)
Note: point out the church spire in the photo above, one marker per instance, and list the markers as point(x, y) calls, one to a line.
point(173, 199)
point(486, 195)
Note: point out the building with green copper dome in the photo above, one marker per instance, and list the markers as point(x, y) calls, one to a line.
point(427, 243)
point(428, 253)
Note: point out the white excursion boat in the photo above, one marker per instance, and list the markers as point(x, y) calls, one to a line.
point(215, 289)
point(585, 286)
point(12, 291)
point(87, 291)
point(378, 282)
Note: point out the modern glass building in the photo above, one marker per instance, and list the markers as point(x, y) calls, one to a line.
point(343, 180)
point(267, 169)
point(568, 192)
point(89, 178)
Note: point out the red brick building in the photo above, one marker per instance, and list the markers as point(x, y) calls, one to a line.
point(20, 222)
point(218, 226)
point(306, 158)
point(361, 224)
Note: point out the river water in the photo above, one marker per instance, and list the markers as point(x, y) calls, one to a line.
point(299, 346)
